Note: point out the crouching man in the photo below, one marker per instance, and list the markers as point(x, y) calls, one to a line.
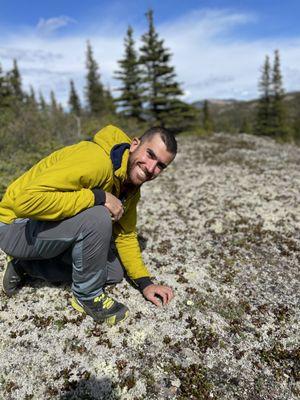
point(58, 219)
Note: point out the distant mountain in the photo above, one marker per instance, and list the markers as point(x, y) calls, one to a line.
point(221, 102)
point(232, 115)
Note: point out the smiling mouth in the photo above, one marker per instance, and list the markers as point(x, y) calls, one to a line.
point(143, 174)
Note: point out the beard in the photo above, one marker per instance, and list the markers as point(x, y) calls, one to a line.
point(136, 174)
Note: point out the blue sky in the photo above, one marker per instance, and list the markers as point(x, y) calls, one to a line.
point(218, 46)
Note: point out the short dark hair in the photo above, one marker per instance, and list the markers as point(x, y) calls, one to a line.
point(166, 136)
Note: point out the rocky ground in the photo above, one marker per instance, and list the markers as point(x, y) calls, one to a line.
point(222, 227)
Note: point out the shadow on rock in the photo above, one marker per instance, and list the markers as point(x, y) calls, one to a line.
point(142, 242)
point(89, 389)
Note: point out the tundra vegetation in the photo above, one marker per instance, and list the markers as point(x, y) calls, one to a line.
point(221, 227)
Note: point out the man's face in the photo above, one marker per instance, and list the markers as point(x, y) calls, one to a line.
point(147, 160)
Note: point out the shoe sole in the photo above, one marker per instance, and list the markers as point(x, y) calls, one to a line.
point(109, 320)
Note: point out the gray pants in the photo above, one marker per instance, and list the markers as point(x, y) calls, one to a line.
point(77, 249)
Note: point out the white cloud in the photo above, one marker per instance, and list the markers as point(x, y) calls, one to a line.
point(209, 60)
point(52, 24)
point(213, 64)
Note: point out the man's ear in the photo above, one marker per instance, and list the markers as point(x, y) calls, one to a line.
point(134, 144)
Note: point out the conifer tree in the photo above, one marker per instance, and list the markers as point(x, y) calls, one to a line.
point(94, 89)
point(6, 99)
point(60, 108)
point(110, 106)
point(207, 119)
point(74, 101)
point(5, 90)
point(30, 99)
point(263, 117)
point(245, 126)
point(15, 82)
point(162, 91)
point(53, 103)
point(32, 94)
point(42, 102)
point(296, 128)
point(278, 112)
point(129, 74)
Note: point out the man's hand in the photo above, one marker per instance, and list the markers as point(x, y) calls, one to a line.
point(156, 292)
point(114, 206)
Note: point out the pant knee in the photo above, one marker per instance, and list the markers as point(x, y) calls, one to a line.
point(97, 220)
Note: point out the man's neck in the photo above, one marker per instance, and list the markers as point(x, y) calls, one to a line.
point(127, 188)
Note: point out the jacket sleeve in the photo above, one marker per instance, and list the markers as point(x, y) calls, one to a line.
point(61, 188)
point(128, 246)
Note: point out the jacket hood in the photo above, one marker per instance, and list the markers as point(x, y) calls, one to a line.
point(116, 144)
point(109, 136)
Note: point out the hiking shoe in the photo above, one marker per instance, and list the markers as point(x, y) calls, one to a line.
point(102, 309)
point(14, 276)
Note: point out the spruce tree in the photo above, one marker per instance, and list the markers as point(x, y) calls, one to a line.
point(296, 128)
point(263, 117)
point(6, 99)
point(94, 89)
point(110, 106)
point(245, 126)
point(5, 90)
point(53, 103)
point(30, 99)
point(278, 112)
point(15, 82)
point(130, 100)
point(42, 102)
point(162, 91)
point(74, 101)
point(207, 119)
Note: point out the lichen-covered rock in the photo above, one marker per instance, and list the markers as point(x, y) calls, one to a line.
point(221, 226)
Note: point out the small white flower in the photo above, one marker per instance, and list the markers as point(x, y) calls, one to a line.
point(176, 383)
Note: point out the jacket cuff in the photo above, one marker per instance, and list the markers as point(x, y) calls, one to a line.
point(100, 197)
point(143, 282)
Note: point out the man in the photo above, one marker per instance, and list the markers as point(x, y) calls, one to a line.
point(57, 219)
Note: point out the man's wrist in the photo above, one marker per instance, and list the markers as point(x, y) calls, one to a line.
point(143, 282)
point(100, 196)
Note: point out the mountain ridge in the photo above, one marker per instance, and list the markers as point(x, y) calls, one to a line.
point(231, 115)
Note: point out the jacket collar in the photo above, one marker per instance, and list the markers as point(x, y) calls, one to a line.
point(119, 156)
point(116, 154)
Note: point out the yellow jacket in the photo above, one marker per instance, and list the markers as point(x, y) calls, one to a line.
point(60, 186)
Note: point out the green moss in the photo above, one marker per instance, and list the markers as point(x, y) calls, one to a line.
point(42, 322)
point(194, 382)
point(11, 386)
point(202, 337)
point(282, 361)
point(167, 339)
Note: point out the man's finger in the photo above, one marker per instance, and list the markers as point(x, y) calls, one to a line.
point(165, 299)
point(120, 213)
point(163, 295)
point(154, 300)
point(169, 295)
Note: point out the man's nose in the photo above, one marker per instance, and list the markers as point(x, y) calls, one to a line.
point(151, 166)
